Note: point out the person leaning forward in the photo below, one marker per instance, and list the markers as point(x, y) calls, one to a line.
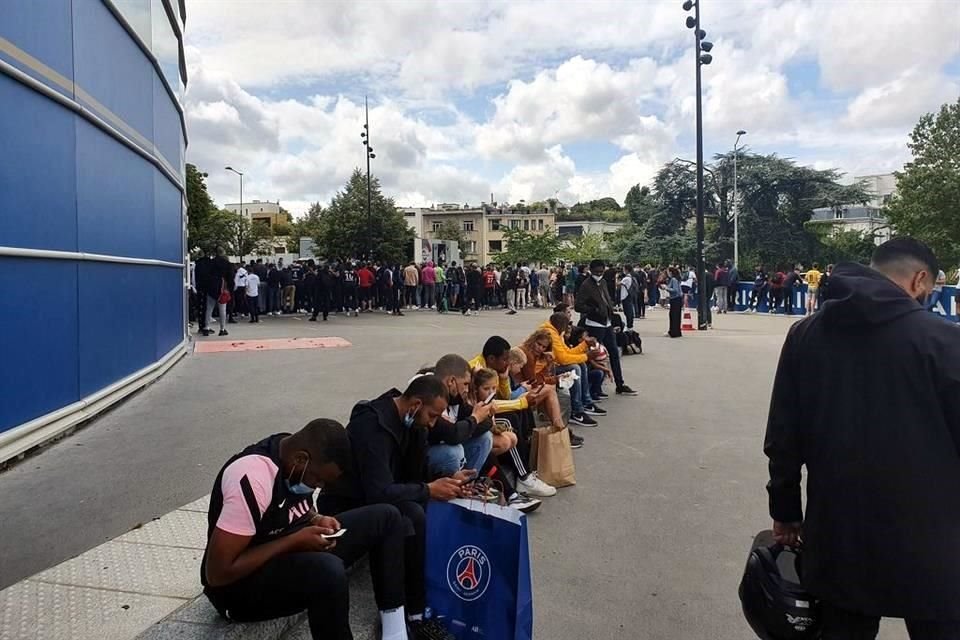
point(867, 397)
point(267, 555)
point(388, 438)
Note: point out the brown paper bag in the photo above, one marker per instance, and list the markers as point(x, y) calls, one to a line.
point(552, 457)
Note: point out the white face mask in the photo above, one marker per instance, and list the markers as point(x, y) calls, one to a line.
point(597, 278)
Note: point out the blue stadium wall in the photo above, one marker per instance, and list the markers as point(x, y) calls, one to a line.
point(92, 207)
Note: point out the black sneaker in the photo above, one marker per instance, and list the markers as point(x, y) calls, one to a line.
point(576, 442)
point(428, 630)
point(594, 410)
point(624, 390)
point(602, 395)
point(223, 332)
point(583, 420)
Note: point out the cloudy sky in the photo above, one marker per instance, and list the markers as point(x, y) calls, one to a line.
point(527, 99)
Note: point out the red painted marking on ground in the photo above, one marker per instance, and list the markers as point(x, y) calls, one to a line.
point(222, 346)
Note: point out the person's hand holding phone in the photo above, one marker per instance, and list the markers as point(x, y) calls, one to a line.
point(445, 489)
point(311, 538)
point(483, 412)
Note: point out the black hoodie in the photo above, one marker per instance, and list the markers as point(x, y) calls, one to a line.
point(867, 397)
point(389, 459)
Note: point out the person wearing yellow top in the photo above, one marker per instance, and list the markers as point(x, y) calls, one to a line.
point(813, 286)
point(582, 404)
point(496, 356)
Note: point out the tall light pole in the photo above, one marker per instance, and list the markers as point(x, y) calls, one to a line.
point(736, 203)
point(702, 48)
point(365, 136)
point(239, 173)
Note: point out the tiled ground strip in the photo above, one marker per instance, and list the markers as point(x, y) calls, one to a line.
point(116, 590)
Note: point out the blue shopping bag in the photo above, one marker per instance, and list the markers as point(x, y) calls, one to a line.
point(478, 570)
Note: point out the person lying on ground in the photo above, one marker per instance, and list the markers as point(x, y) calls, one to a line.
point(270, 554)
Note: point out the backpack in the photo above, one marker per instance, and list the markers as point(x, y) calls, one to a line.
point(635, 292)
point(634, 344)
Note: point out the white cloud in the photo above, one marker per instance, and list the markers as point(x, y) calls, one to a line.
point(274, 90)
point(900, 102)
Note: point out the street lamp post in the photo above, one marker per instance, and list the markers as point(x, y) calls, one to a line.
point(365, 136)
point(239, 173)
point(702, 49)
point(736, 204)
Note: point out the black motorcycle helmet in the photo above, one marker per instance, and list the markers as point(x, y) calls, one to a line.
point(775, 604)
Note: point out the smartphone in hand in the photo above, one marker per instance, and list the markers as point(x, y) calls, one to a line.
point(333, 535)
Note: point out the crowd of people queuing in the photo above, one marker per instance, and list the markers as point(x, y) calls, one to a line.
point(278, 506)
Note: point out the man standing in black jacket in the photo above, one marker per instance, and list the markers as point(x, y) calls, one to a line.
point(596, 310)
point(388, 437)
point(867, 397)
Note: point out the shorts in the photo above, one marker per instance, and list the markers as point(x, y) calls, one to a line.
point(685, 288)
point(812, 292)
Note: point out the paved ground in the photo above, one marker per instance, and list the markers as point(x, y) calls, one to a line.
point(649, 544)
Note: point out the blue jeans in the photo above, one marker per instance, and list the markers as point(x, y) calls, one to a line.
point(595, 376)
point(446, 459)
point(580, 391)
point(933, 300)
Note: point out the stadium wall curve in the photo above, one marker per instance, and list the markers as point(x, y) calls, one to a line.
point(92, 208)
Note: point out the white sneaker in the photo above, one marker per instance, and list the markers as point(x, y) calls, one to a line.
point(534, 486)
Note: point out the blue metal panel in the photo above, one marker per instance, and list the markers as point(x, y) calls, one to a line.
point(168, 229)
point(114, 197)
point(37, 171)
point(117, 322)
point(169, 311)
point(168, 134)
point(42, 29)
point(38, 339)
point(111, 67)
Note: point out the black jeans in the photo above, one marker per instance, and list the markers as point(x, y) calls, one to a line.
point(317, 581)
point(676, 307)
point(604, 336)
point(628, 311)
point(321, 303)
point(845, 625)
point(254, 309)
point(732, 290)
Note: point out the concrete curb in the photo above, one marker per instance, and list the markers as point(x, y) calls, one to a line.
point(198, 620)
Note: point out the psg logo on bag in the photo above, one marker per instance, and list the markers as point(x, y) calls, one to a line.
point(468, 573)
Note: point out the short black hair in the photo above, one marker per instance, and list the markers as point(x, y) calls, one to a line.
point(451, 365)
point(597, 263)
point(561, 308)
point(894, 254)
point(576, 333)
point(495, 346)
point(325, 440)
point(560, 320)
point(427, 388)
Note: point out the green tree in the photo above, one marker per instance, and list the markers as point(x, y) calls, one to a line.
point(245, 238)
point(201, 235)
point(527, 246)
point(584, 248)
point(838, 245)
point(344, 230)
point(927, 203)
point(282, 229)
point(607, 209)
point(451, 232)
point(306, 227)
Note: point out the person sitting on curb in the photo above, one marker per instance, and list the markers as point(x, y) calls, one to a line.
point(483, 389)
point(496, 356)
point(538, 373)
point(461, 439)
point(268, 552)
point(574, 359)
point(598, 368)
point(388, 437)
point(518, 361)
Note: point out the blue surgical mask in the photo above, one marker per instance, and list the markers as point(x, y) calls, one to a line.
point(299, 489)
point(410, 418)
